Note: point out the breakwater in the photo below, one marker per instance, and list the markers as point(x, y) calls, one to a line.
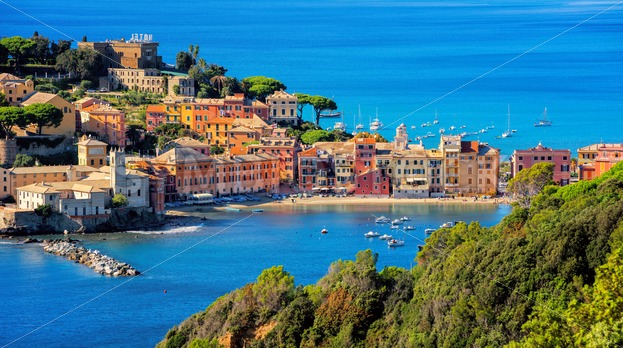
point(100, 263)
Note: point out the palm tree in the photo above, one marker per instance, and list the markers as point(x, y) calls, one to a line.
point(218, 81)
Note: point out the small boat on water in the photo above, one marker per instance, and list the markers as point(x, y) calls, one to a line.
point(376, 124)
point(395, 243)
point(329, 114)
point(386, 237)
point(324, 231)
point(258, 210)
point(394, 227)
point(232, 209)
point(397, 222)
point(371, 234)
point(382, 220)
point(447, 224)
point(409, 228)
point(429, 230)
point(543, 122)
point(339, 126)
point(405, 218)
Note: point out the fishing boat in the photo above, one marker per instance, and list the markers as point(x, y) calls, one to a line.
point(543, 122)
point(329, 114)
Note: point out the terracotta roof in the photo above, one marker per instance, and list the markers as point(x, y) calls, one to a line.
point(311, 152)
point(39, 97)
point(188, 142)
point(38, 188)
point(9, 77)
point(50, 169)
point(255, 122)
point(155, 108)
point(92, 142)
point(181, 155)
point(241, 129)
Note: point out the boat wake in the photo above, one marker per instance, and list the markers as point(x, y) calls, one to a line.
point(171, 230)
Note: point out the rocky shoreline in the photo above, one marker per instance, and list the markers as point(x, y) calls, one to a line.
point(100, 263)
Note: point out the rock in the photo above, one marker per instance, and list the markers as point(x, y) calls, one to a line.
point(30, 240)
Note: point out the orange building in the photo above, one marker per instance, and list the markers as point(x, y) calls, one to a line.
point(285, 148)
point(308, 163)
point(246, 174)
point(239, 138)
point(104, 120)
point(365, 155)
point(193, 171)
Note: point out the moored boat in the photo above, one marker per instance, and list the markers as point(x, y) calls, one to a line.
point(409, 228)
point(395, 243)
point(324, 231)
point(429, 230)
point(405, 218)
point(397, 222)
point(371, 234)
point(386, 237)
point(382, 220)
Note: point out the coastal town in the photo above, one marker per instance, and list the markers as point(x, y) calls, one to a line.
point(225, 147)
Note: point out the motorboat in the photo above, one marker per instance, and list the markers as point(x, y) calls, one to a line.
point(371, 234)
point(429, 230)
point(394, 227)
point(386, 237)
point(405, 218)
point(409, 228)
point(397, 222)
point(258, 210)
point(382, 220)
point(324, 231)
point(447, 224)
point(395, 243)
point(376, 124)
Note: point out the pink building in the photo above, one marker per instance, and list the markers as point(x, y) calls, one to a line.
point(523, 159)
point(372, 182)
point(365, 155)
point(154, 116)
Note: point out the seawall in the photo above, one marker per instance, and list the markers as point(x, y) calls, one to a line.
point(102, 264)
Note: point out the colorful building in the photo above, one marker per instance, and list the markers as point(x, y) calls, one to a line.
point(91, 152)
point(154, 116)
point(561, 159)
point(68, 124)
point(15, 89)
point(478, 169)
point(283, 108)
point(246, 174)
point(193, 171)
point(136, 53)
point(283, 147)
point(105, 121)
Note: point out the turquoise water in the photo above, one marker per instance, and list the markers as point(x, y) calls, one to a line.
point(397, 56)
point(39, 287)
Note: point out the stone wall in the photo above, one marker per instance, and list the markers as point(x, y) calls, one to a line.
point(8, 152)
point(19, 222)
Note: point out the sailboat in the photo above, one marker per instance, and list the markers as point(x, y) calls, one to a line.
point(359, 125)
point(508, 132)
point(436, 121)
point(543, 122)
point(376, 124)
point(340, 125)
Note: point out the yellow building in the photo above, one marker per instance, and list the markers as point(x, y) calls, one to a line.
point(15, 89)
point(22, 176)
point(138, 52)
point(148, 80)
point(283, 108)
point(67, 126)
point(91, 152)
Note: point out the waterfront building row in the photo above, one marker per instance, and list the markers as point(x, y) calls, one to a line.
point(364, 166)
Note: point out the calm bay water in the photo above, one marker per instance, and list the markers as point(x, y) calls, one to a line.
point(38, 287)
point(396, 56)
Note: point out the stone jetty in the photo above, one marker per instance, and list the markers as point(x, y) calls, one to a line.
point(100, 263)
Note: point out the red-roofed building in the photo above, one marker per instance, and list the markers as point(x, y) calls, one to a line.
point(155, 115)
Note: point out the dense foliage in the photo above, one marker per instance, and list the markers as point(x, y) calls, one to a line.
point(550, 274)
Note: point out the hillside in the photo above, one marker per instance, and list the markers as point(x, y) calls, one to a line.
point(547, 275)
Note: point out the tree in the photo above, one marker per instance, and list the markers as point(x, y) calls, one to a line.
point(260, 87)
point(133, 133)
point(86, 84)
point(530, 181)
point(379, 138)
point(216, 150)
point(183, 61)
point(321, 103)
point(23, 160)
point(43, 115)
point(303, 99)
point(176, 89)
point(84, 62)
point(218, 81)
point(44, 210)
point(315, 136)
point(3, 101)
point(41, 52)
point(11, 116)
point(60, 47)
point(18, 47)
point(119, 201)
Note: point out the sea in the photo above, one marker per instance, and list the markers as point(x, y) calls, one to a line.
point(475, 65)
point(467, 61)
point(68, 304)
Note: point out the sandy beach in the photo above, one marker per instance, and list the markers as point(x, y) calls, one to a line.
point(198, 211)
